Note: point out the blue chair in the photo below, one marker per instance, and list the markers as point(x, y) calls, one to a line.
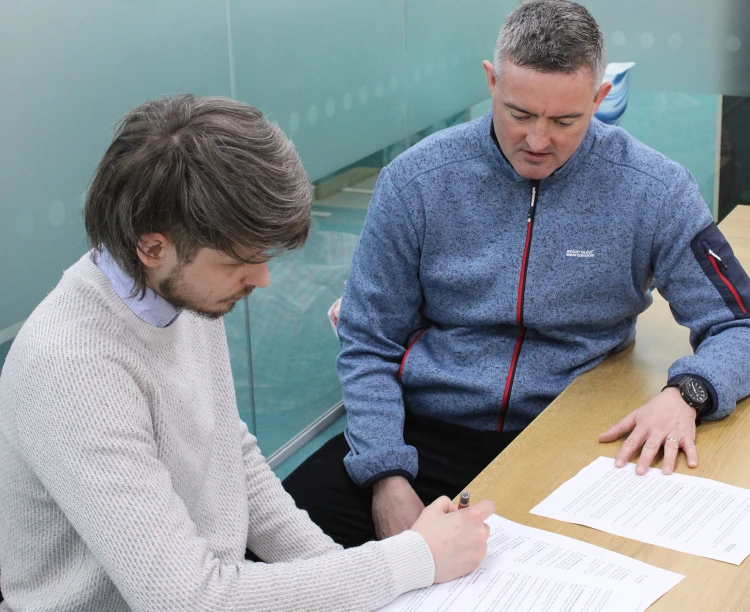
point(613, 106)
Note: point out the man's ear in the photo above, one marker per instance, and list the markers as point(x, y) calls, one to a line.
point(489, 74)
point(601, 93)
point(153, 249)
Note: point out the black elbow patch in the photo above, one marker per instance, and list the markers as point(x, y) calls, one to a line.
point(716, 259)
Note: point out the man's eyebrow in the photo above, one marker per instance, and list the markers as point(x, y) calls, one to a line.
point(251, 259)
point(525, 112)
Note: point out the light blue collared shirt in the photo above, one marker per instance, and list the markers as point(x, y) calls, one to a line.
point(152, 308)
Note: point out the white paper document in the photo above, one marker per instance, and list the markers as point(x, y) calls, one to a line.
point(513, 587)
point(531, 570)
point(686, 513)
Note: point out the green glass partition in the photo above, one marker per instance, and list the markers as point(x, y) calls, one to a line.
point(684, 127)
point(69, 71)
point(331, 74)
point(352, 84)
point(680, 45)
point(446, 42)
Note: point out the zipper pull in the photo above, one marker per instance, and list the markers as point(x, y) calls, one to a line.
point(717, 258)
point(530, 216)
point(531, 206)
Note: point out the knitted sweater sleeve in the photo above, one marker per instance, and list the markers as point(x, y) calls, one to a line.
point(278, 530)
point(84, 427)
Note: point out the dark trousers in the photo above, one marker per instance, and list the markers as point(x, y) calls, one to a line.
point(450, 456)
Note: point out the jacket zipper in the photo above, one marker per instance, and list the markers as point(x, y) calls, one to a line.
point(519, 305)
point(716, 261)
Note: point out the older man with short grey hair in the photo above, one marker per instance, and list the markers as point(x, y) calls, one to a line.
point(501, 259)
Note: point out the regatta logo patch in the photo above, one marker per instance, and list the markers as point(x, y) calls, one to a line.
point(577, 253)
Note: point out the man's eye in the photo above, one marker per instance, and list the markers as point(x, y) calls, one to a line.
point(564, 123)
point(519, 117)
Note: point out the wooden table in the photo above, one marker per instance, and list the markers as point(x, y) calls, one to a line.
point(563, 439)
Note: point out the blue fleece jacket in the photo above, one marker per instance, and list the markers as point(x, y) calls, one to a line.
point(468, 304)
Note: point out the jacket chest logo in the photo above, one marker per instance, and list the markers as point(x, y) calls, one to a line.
point(579, 253)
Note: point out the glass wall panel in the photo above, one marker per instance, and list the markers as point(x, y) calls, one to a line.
point(293, 346)
point(352, 84)
point(331, 74)
point(680, 45)
point(336, 86)
point(446, 42)
point(681, 126)
point(69, 71)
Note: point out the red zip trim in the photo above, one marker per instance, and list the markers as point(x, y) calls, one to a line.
point(522, 283)
point(406, 354)
point(729, 285)
point(519, 311)
point(511, 372)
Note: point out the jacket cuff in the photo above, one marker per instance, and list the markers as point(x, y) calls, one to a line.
point(369, 467)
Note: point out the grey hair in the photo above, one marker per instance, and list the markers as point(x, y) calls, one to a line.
point(207, 173)
point(552, 36)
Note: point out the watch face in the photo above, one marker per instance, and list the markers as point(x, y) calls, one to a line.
point(695, 390)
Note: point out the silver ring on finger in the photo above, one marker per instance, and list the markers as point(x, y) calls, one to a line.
point(672, 439)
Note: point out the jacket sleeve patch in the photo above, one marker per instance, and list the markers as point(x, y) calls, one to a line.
point(716, 259)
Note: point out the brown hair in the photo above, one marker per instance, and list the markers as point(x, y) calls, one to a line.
point(206, 172)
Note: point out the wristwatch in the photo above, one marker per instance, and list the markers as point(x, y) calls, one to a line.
point(693, 391)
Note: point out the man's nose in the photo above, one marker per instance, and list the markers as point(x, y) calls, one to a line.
point(538, 137)
point(258, 276)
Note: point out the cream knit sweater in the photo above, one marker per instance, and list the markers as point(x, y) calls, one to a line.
point(129, 482)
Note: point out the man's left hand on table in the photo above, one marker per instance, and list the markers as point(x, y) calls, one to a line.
point(665, 420)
